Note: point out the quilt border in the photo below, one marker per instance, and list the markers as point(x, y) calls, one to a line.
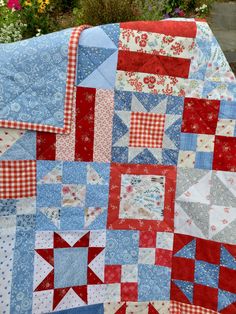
point(69, 93)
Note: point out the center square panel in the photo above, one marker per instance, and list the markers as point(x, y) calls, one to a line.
point(141, 197)
point(146, 128)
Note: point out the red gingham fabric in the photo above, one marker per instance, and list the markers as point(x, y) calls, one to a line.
point(70, 86)
point(146, 129)
point(183, 308)
point(17, 178)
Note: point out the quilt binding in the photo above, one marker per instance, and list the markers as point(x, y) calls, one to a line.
point(69, 93)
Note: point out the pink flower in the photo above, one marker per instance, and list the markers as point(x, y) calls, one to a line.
point(66, 189)
point(14, 4)
point(129, 189)
point(144, 36)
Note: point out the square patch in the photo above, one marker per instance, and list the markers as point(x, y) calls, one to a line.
point(186, 159)
point(73, 195)
point(225, 127)
point(129, 273)
point(147, 239)
point(129, 291)
point(203, 160)
point(206, 274)
point(164, 240)
point(146, 129)
point(153, 283)
point(205, 143)
point(146, 256)
point(224, 153)
point(113, 273)
point(206, 297)
point(227, 110)
point(122, 247)
point(8, 207)
point(142, 197)
point(200, 116)
point(17, 178)
point(163, 257)
point(70, 266)
point(188, 141)
point(134, 174)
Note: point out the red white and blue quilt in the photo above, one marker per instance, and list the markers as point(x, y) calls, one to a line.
point(118, 171)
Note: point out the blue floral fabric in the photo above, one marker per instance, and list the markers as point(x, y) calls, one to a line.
point(33, 79)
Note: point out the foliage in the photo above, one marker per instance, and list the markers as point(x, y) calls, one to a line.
point(96, 12)
point(36, 14)
point(26, 18)
point(12, 32)
point(152, 9)
point(203, 8)
point(11, 26)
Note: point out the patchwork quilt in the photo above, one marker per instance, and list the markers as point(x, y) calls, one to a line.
point(118, 171)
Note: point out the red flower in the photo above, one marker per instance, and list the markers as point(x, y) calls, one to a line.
point(181, 13)
point(167, 39)
point(14, 4)
point(152, 79)
point(178, 48)
point(146, 80)
point(142, 43)
point(144, 36)
point(137, 38)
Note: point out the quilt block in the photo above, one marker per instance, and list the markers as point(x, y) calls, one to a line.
point(117, 172)
point(146, 128)
point(205, 279)
point(137, 196)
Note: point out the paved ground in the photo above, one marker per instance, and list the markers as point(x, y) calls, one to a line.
point(223, 24)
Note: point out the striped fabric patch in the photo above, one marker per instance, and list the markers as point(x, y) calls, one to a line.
point(155, 57)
